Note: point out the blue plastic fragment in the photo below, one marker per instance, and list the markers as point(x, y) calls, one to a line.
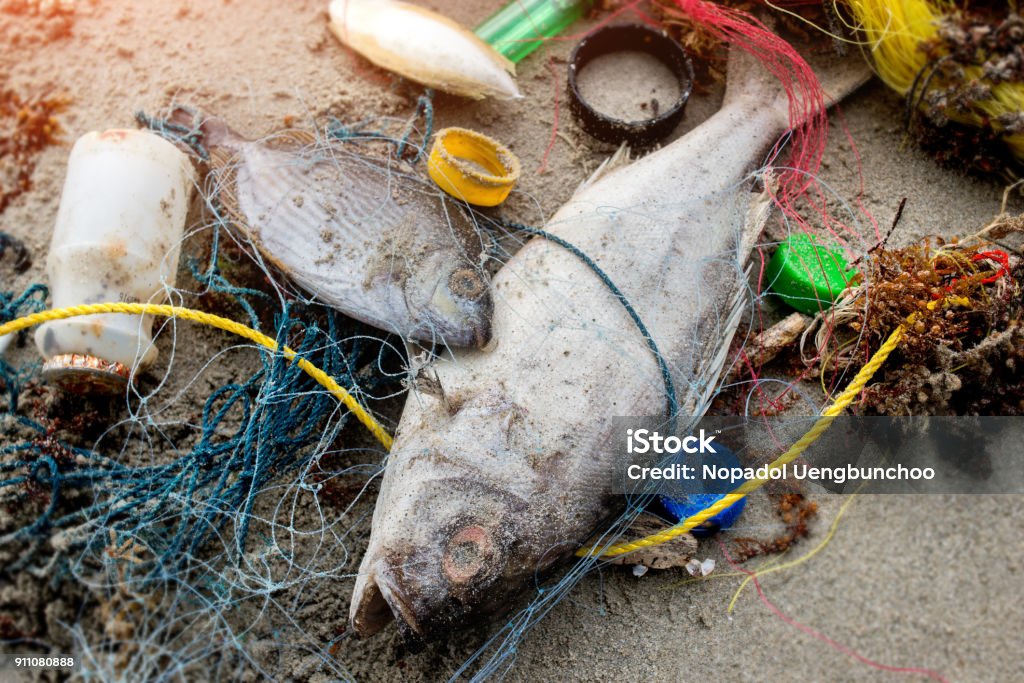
point(678, 508)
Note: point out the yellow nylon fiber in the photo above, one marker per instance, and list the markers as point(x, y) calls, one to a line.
point(225, 324)
point(828, 415)
point(895, 31)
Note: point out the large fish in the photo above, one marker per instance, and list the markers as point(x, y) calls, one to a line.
point(382, 246)
point(502, 463)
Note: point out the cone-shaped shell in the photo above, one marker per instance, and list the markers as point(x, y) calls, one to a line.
point(423, 46)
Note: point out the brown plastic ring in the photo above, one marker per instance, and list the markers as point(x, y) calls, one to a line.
point(621, 38)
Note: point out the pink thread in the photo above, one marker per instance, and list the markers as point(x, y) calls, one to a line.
point(554, 125)
point(821, 636)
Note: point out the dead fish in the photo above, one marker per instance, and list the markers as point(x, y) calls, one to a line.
point(386, 248)
point(423, 46)
point(509, 469)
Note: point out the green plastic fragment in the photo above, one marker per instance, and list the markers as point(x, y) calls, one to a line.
point(808, 275)
point(521, 26)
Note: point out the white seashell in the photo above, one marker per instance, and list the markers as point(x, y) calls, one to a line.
point(119, 225)
point(697, 568)
point(423, 46)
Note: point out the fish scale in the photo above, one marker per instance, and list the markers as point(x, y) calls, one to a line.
point(270, 199)
point(294, 176)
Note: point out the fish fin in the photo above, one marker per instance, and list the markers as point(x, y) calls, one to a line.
point(758, 212)
point(619, 159)
point(710, 373)
point(216, 132)
point(429, 383)
point(674, 553)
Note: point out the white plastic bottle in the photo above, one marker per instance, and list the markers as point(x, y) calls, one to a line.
point(117, 237)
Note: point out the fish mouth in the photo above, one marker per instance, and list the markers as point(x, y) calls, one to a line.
point(422, 606)
point(482, 334)
point(453, 319)
point(377, 600)
point(475, 334)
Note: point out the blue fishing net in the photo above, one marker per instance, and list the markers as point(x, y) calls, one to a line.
point(184, 530)
point(32, 300)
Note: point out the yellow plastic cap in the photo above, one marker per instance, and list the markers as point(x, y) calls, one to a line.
point(472, 167)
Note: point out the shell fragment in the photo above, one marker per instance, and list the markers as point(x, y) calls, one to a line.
point(423, 46)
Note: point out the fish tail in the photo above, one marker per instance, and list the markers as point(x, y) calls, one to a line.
point(771, 74)
point(215, 131)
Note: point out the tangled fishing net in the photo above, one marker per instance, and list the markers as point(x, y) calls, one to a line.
point(960, 67)
point(209, 541)
point(961, 352)
point(198, 532)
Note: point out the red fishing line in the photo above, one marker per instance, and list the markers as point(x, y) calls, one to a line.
point(554, 123)
point(807, 115)
point(814, 633)
point(997, 255)
point(1000, 257)
point(808, 121)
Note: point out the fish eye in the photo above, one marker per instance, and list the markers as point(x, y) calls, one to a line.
point(468, 554)
point(466, 283)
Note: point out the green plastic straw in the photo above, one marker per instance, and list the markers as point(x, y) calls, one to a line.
point(521, 26)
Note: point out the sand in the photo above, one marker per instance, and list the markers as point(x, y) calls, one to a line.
point(610, 84)
point(928, 581)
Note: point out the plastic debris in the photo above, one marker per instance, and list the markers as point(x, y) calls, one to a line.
point(472, 167)
point(808, 275)
point(522, 26)
point(630, 38)
point(121, 218)
point(680, 507)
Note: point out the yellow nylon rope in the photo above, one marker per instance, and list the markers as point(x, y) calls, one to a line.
point(896, 31)
point(824, 422)
point(225, 324)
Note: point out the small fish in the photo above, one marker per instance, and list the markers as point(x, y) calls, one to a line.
point(423, 46)
point(509, 469)
point(381, 246)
